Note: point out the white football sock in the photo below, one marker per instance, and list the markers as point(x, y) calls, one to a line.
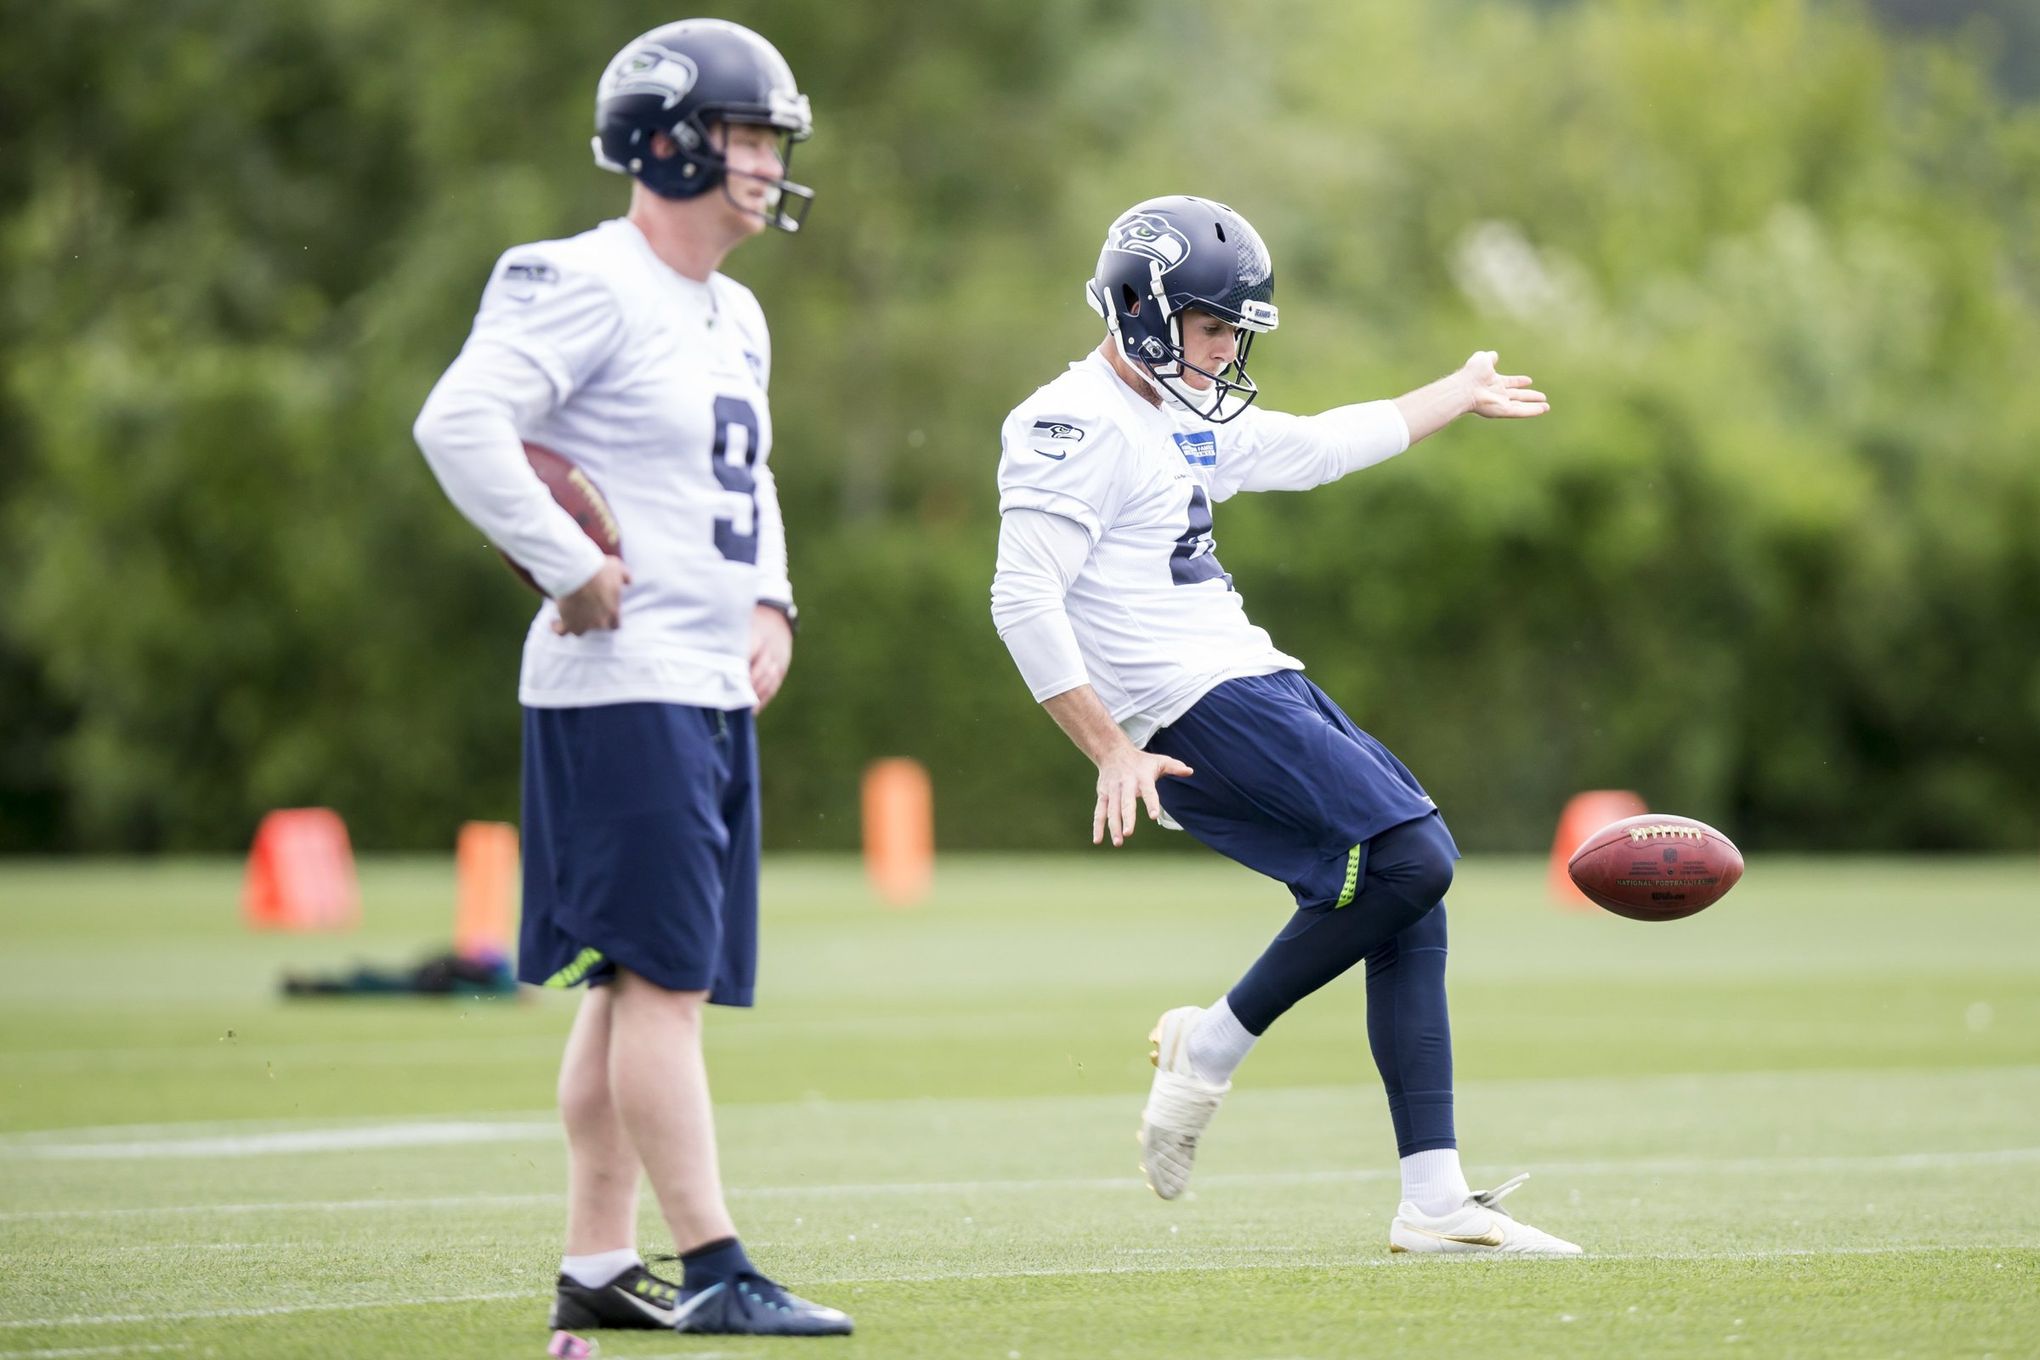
point(1433, 1181)
point(1218, 1042)
point(599, 1268)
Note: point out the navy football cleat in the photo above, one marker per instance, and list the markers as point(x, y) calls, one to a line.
point(752, 1305)
point(636, 1298)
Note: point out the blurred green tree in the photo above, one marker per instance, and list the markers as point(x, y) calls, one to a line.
point(1772, 559)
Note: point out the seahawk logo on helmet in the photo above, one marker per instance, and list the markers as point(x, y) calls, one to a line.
point(1145, 234)
point(650, 69)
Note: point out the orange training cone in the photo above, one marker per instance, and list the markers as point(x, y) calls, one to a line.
point(899, 830)
point(485, 866)
point(1585, 813)
point(301, 873)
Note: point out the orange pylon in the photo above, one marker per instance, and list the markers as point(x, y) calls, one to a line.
point(485, 870)
point(301, 873)
point(899, 830)
point(1585, 813)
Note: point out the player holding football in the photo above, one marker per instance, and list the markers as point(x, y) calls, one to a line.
point(1128, 631)
point(624, 350)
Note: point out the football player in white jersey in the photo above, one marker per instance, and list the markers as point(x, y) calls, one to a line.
point(1110, 596)
point(626, 351)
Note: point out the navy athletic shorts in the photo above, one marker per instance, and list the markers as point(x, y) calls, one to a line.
point(1286, 784)
point(641, 848)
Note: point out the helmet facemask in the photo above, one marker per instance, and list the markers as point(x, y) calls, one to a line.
point(1157, 349)
point(786, 206)
point(699, 166)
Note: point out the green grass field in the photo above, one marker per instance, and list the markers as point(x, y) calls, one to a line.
point(1804, 1123)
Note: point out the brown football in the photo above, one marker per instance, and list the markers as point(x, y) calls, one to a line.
point(1656, 867)
point(579, 497)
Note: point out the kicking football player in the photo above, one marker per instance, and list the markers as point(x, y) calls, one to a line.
point(625, 350)
point(1110, 596)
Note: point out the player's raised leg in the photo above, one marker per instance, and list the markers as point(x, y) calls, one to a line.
point(1387, 922)
point(1181, 1101)
point(1406, 868)
point(1406, 871)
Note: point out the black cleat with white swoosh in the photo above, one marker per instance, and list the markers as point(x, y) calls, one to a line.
point(636, 1298)
point(752, 1305)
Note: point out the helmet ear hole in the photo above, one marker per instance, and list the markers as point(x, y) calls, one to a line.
point(1129, 299)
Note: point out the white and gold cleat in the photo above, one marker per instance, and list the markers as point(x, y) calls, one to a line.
point(1180, 1105)
point(1479, 1227)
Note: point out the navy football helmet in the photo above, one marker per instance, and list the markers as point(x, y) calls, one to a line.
point(1168, 255)
point(678, 80)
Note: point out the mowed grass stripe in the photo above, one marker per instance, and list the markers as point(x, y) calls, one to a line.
point(1206, 1264)
point(302, 1142)
point(271, 1310)
point(305, 1206)
point(77, 1352)
point(1782, 1165)
point(1658, 1090)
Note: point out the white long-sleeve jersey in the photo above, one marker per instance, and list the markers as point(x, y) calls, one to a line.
point(655, 386)
point(1107, 569)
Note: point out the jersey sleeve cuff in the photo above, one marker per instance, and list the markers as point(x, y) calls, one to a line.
point(1369, 433)
point(541, 356)
point(1045, 690)
point(1058, 503)
point(576, 571)
point(1044, 647)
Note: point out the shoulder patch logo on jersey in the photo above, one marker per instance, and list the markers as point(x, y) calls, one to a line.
point(1146, 234)
point(522, 278)
point(651, 70)
point(1199, 448)
point(756, 362)
point(1052, 438)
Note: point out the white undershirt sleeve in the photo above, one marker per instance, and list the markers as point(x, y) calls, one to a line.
point(469, 433)
point(1040, 554)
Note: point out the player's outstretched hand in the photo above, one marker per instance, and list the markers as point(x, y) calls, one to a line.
point(598, 604)
point(1124, 780)
point(771, 652)
point(1501, 396)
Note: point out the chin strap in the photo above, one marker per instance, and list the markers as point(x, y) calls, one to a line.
point(1221, 392)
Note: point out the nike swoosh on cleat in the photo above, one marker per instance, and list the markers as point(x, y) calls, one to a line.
point(1155, 1049)
point(688, 1309)
point(1491, 1238)
point(663, 1316)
